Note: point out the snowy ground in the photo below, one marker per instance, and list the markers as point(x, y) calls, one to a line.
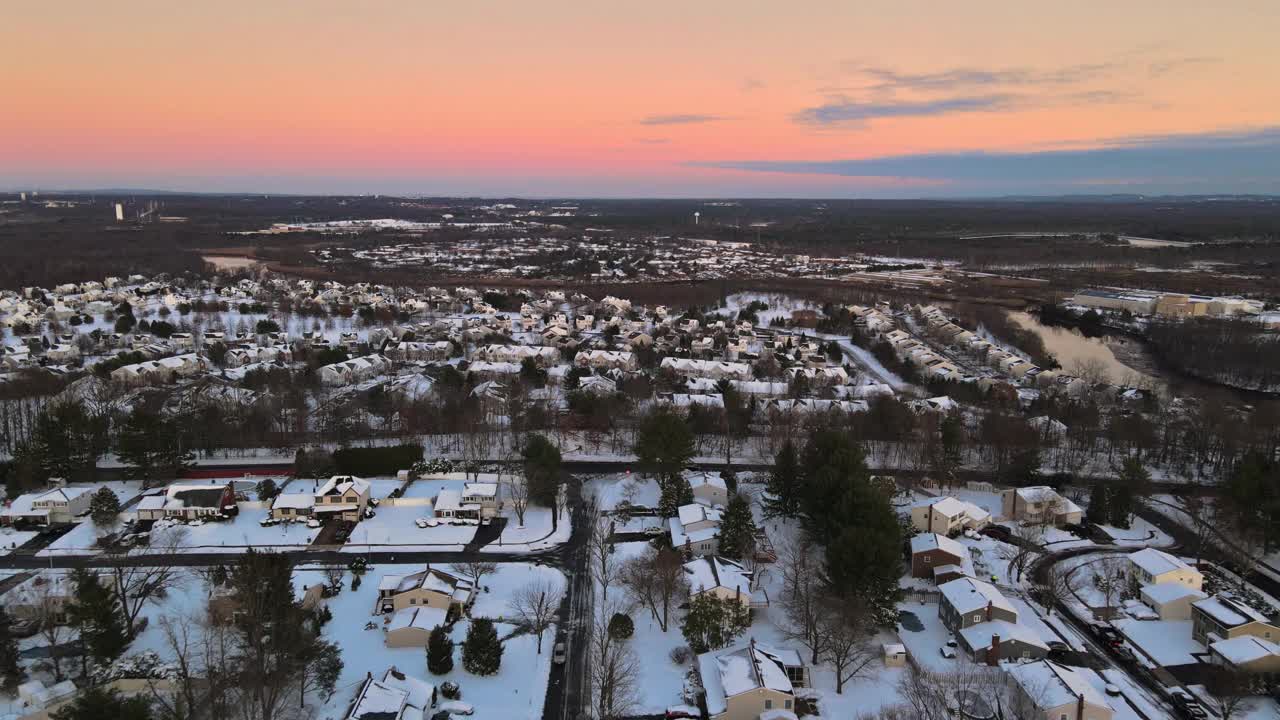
point(517, 691)
point(1141, 534)
point(11, 539)
point(611, 490)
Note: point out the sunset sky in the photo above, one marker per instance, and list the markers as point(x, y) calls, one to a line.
point(848, 98)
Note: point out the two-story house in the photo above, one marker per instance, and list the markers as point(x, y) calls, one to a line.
point(342, 496)
point(752, 681)
point(1039, 504)
point(696, 530)
point(1155, 567)
point(425, 588)
point(1223, 617)
point(947, 515)
point(940, 558)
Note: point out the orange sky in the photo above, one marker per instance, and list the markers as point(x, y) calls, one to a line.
point(552, 97)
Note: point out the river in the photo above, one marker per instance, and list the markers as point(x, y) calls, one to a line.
point(1115, 360)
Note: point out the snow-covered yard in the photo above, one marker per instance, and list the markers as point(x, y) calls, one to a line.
point(1140, 534)
point(11, 539)
point(1166, 642)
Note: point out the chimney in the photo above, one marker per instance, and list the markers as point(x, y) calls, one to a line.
point(993, 653)
point(988, 611)
point(1080, 707)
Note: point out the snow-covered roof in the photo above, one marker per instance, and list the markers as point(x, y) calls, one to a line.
point(1051, 685)
point(697, 512)
point(1161, 593)
point(699, 478)
point(421, 616)
point(983, 634)
point(933, 541)
point(1157, 562)
point(340, 484)
point(681, 535)
point(1245, 649)
point(708, 573)
point(1228, 611)
point(293, 500)
point(968, 594)
point(431, 580)
point(480, 489)
point(396, 697)
point(748, 668)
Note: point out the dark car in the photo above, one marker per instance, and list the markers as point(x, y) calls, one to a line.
point(998, 532)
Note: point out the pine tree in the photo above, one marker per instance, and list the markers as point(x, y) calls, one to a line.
point(782, 497)
point(1121, 506)
point(664, 444)
point(737, 529)
point(1100, 503)
point(621, 626)
point(11, 672)
point(864, 560)
point(482, 650)
point(713, 622)
point(439, 652)
point(97, 704)
point(674, 493)
point(104, 507)
point(94, 613)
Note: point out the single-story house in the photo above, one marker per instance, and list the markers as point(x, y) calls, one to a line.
point(188, 501)
point(412, 626)
point(1171, 601)
point(725, 579)
point(930, 551)
point(395, 697)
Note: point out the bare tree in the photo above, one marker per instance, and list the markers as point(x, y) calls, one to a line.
point(518, 495)
point(602, 562)
point(334, 575)
point(474, 570)
point(656, 580)
point(537, 605)
point(1232, 692)
point(1202, 513)
point(801, 597)
point(846, 628)
point(1026, 546)
point(613, 668)
point(138, 579)
point(1091, 370)
point(50, 599)
point(1058, 587)
point(1110, 577)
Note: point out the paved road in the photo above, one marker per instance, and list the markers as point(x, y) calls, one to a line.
point(568, 688)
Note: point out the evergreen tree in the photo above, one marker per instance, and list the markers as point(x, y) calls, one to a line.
point(782, 494)
point(11, 672)
point(150, 448)
point(104, 507)
point(542, 468)
point(267, 489)
point(664, 444)
point(482, 650)
point(864, 562)
point(1121, 505)
point(673, 493)
point(713, 622)
point(621, 627)
point(1100, 503)
point(439, 652)
point(737, 529)
point(98, 704)
point(94, 613)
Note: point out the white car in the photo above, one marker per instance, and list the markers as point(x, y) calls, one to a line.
point(420, 522)
point(948, 653)
point(432, 522)
point(313, 523)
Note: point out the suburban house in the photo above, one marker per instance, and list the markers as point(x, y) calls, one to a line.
point(696, 530)
point(708, 487)
point(1039, 504)
point(724, 579)
point(605, 359)
point(1247, 653)
point(1156, 567)
point(1046, 690)
point(412, 626)
point(292, 506)
point(998, 640)
point(933, 554)
point(1222, 617)
point(342, 496)
point(751, 681)
point(1171, 601)
point(947, 515)
point(476, 501)
point(45, 596)
point(429, 588)
point(395, 697)
point(50, 507)
point(188, 502)
point(967, 602)
point(353, 371)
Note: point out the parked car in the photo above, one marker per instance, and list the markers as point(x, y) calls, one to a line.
point(999, 532)
point(948, 652)
point(557, 655)
point(420, 522)
point(368, 513)
point(313, 523)
point(1112, 689)
point(1188, 705)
